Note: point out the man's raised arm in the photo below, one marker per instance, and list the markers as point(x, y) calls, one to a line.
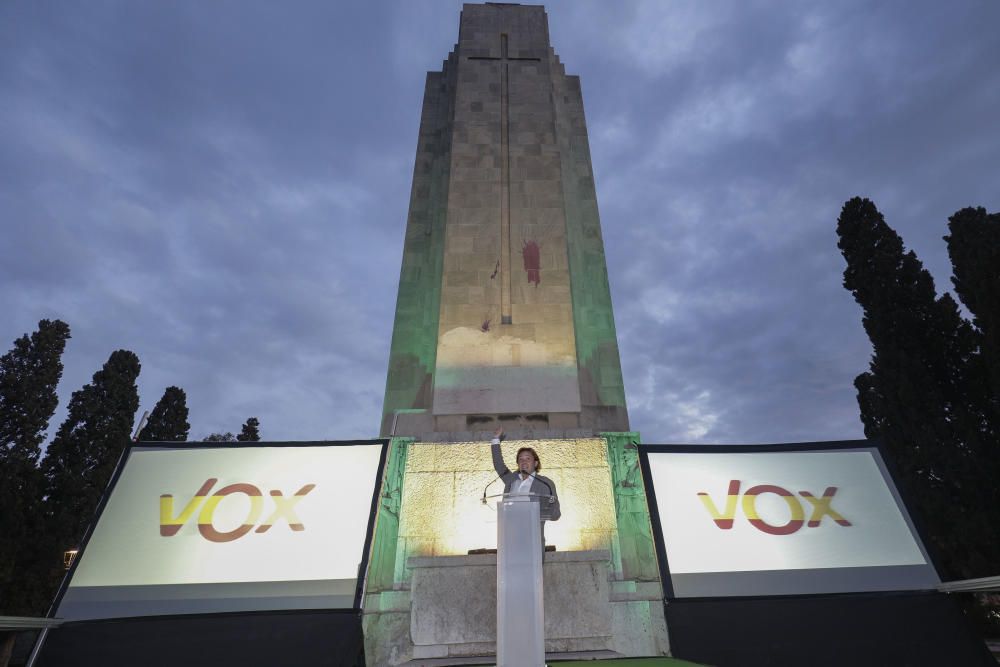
point(498, 463)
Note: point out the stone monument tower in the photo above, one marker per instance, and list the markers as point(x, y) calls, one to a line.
point(504, 318)
point(504, 311)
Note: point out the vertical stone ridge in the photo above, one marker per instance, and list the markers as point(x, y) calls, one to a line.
point(382, 564)
point(410, 376)
point(602, 388)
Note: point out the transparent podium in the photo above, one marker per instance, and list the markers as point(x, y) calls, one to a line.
point(520, 608)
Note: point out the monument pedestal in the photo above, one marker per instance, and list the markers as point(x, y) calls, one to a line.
point(454, 604)
point(424, 602)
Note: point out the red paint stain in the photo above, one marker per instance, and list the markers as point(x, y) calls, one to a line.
point(532, 262)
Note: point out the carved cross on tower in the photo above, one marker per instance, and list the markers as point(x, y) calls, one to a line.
point(505, 249)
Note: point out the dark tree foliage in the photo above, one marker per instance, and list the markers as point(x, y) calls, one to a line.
point(974, 249)
point(220, 437)
point(168, 420)
point(29, 374)
point(250, 432)
point(83, 455)
point(919, 395)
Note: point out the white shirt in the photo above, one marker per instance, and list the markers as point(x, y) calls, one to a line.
point(521, 487)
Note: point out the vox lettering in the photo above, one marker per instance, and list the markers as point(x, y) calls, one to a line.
point(820, 507)
point(283, 509)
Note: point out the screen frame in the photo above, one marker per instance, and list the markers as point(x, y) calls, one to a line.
point(198, 445)
point(900, 495)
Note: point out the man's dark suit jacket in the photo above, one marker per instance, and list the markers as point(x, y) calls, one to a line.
point(537, 487)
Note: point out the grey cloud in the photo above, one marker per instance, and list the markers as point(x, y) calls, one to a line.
point(732, 219)
point(223, 188)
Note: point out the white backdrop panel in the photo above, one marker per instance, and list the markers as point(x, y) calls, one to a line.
point(863, 539)
point(193, 546)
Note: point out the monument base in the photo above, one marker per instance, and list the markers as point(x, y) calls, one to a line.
point(450, 611)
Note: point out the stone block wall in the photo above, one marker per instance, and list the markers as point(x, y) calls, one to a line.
point(505, 170)
point(442, 513)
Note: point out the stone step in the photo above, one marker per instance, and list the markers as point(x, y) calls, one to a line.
point(491, 659)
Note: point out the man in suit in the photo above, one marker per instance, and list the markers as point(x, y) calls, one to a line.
point(526, 480)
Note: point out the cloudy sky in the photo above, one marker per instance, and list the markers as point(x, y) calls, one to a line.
point(222, 188)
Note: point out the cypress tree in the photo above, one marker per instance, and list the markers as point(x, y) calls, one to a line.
point(915, 396)
point(168, 421)
point(29, 375)
point(82, 456)
point(974, 249)
point(250, 432)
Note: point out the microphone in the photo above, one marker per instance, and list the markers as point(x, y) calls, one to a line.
point(500, 476)
point(552, 492)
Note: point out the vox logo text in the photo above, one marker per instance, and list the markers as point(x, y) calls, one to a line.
point(283, 508)
point(821, 507)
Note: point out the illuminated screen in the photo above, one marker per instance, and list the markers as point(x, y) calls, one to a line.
point(784, 523)
point(216, 529)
